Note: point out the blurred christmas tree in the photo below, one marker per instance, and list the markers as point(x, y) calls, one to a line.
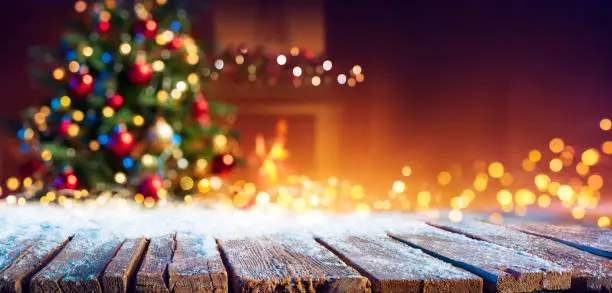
point(128, 108)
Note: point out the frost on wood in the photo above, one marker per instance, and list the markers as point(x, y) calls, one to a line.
point(588, 271)
point(288, 263)
point(196, 265)
point(79, 265)
point(501, 268)
point(395, 267)
point(593, 240)
point(123, 267)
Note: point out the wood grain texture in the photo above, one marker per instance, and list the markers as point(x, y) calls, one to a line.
point(593, 240)
point(153, 273)
point(120, 272)
point(288, 263)
point(589, 272)
point(16, 277)
point(503, 269)
point(197, 265)
point(392, 266)
point(78, 266)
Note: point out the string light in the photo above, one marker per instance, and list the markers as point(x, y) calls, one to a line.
point(316, 81)
point(341, 79)
point(74, 66)
point(281, 60)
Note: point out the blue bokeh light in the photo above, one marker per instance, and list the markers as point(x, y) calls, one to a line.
point(176, 139)
point(175, 26)
point(103, 139)
point(106, 57)
point(128, 162)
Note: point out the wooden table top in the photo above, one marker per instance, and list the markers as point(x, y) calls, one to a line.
point(409, 256)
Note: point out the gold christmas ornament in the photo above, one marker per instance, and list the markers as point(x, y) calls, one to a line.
point(160, 135)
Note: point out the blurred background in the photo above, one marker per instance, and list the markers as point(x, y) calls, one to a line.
point(446, 82)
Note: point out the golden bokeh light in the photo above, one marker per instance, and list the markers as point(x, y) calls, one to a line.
point(406, 171)
point(595, 182)
point(444, 178)
point(528, 165)
point(556, 165)
point(506, 180)
point(606, 147)
point(582, 169)
point(578, 213)
point(603, 222)
point(590, 157)
point(565, 192)
point(605, 124)
point(504, 197)
point(556, 145)
point(541, 181)
point(398, 186)
point(496, 170)
point(544, 201)
point(534, 156)
point(423, 198)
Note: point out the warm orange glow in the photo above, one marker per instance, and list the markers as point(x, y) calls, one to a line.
point(528, 165)
point(544, 201)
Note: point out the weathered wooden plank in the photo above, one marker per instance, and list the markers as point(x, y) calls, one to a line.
point(593, 240)
point(120, 272)
point(153, 273)
point(15, 278)
point(392, 266)
point(502, 269)
point(12, 248)
point(287, 263)
point(197, 265)
point(79, 265)
point(589, 272)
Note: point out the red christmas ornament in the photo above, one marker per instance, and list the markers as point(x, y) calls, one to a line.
point(66, 180)
point(151, 186)
point(176, 43)
point(121, 143)
point(200, 109)
point(103, 26)
point(140, 73)
point(115, 101)
point(147, 28)
point(64, 126)
point(82, 84)
point(222, 164)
